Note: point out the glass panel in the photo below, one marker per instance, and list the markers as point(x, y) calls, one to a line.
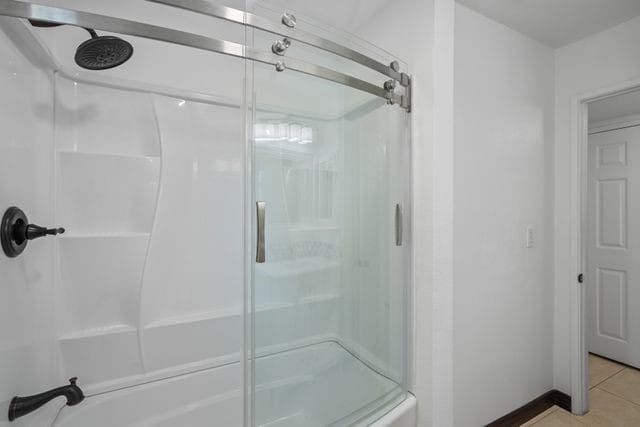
point(329, 302)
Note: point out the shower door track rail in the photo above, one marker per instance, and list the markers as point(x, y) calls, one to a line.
point(254, 21)
point(25, 10)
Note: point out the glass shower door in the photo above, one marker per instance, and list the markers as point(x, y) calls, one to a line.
point(329, 282)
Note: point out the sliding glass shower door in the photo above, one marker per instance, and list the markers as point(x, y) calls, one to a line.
point(330, 279)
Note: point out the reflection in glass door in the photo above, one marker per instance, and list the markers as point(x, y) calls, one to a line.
point(329, 289)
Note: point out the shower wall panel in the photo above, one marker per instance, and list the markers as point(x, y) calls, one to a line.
point(108, 172)
point(193, 285)
point(27, 352)
point(150, 189)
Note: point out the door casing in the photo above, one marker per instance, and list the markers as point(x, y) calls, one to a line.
point(579, 195)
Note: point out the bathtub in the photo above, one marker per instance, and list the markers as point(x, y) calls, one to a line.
point(213, 397)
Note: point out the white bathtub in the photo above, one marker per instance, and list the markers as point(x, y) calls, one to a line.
point(212, 398)
point(198, 399)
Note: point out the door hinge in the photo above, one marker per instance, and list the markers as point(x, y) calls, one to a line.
point(580, 278)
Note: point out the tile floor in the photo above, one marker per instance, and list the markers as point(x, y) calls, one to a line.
point(614, 399)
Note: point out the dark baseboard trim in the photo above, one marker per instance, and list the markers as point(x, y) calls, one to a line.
point(534, 408)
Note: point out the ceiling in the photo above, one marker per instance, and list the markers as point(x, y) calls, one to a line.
point(627, 104)
point(557, 22)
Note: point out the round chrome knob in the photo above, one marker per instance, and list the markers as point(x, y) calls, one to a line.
point(289, 20)
point(279, 47)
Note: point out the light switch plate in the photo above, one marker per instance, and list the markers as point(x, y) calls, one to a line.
point(530, 237)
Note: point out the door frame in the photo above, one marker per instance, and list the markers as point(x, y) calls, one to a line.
point(579, 196)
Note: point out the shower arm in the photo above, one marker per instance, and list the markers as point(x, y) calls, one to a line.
point(44, 24)
point(92, 32)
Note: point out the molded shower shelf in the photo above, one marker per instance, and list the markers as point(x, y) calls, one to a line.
point(101, 354)
point(96, 332)
point(223, 313)
point(100, 279)
point(121, 155)
point(302, 227)
point(295, 267)
point(195, 317)
point(104, 235)
point(307, 300)
point(180, 340)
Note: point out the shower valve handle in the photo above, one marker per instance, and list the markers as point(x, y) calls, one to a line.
point(15, 231)
point(34, 231)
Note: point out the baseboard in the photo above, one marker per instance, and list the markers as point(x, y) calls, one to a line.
point(533, 408)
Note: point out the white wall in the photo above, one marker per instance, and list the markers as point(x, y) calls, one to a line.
point(607, 59)
point(503, 142)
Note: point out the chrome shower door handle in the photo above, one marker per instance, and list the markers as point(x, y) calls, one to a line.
point(398, 224)
point(260, 249)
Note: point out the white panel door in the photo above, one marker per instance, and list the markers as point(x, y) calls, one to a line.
point(613, 252)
